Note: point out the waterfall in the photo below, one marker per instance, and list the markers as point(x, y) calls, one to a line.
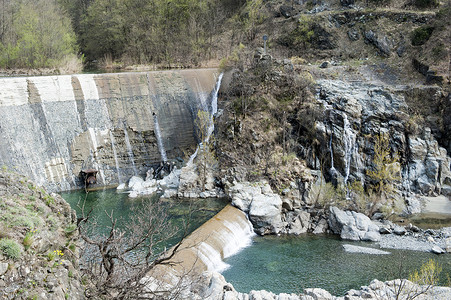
point(332, 168)
point(211, 258)
point(349, 138)
point(92, 135)
point(113, 145)
point(214, 107)
point(129, 150)
point(214, 110)
point(159, 139)
point(206, 248)
point(220, 237)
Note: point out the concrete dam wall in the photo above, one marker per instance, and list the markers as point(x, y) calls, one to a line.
point(121, 124)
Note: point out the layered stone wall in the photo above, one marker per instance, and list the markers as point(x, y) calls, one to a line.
point(52, 127)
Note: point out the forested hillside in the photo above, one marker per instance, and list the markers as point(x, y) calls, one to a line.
point(63, 34)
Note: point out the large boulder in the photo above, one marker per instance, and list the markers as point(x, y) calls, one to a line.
point(354, 226)
point(262, 205)
point(382, 43)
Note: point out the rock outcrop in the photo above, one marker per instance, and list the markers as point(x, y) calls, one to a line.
point(38, 243)
point(271, 213)
point(263, 207)
point(355, 112)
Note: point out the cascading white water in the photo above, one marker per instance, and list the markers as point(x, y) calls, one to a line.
point(242, 233)
point(113, 145)
point(130, 150)
point(214, 107)
point(349, 138)
point(211, 258)
point(164, 158)
point(95, 146)
point(233, 232)
point(332, 168)
point(214, 110)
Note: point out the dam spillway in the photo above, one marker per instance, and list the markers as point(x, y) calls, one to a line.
point(52, 127)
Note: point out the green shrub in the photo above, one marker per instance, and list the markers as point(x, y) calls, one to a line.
point(425, 3)
point(70, 229)
point(10, 248)
point(421, 35)
point(28, 240)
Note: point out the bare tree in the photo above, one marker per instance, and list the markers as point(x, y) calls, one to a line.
point(119, 264)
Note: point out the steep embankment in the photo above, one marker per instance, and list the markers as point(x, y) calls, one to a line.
point(406, 38)
point(118, 124)
point(38, 242)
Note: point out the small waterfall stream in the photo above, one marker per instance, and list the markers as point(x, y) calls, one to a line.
point(130, 150)
point(164, 158)
point(349, 138)
point(113, 145)
point(214, 110)
point(332, 168)
point(92, 135)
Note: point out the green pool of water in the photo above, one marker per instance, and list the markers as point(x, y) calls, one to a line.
point(290, 264)
point(197, 211)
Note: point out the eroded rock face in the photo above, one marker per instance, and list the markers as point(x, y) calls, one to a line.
point(354, 113)
point(263, 207)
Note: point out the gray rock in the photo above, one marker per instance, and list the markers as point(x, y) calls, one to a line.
point(3, 268)
point(352, 226)
point(353, 35)
point(413, 205)
point(399, 230)
point(324, 65)
point(286, 11)
point(300, 224)
point(380, 42)
point(401, 50)
point(350, 233)
point(321, 227)
point(448, 245)
point(318, 294)
point(385, 230)
point(413, 228)
point(371, 236)
point(265, 213)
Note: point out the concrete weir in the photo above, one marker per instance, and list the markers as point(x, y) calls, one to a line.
point(222, 236)
point(52, 127)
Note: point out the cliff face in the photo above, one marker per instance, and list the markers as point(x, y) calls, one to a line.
point(119, 124)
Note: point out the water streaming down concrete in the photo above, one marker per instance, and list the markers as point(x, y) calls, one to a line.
point(130, 154)
point(52, 127)
point(205, 249)
point(164, 157)
point(212, 112)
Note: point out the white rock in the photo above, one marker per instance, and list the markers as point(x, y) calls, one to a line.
point(437, 250)
point(121, 186)
point(3, 268)
point(318, 294)
point(135, 182)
